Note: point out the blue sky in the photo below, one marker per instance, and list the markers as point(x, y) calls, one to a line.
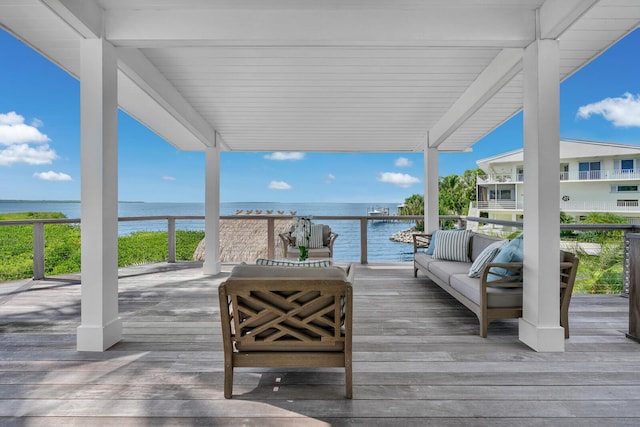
point(40, 142)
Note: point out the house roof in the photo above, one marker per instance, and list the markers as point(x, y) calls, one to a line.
point(333, 75)
point(569, 149)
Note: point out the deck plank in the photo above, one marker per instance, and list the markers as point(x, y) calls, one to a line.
point(418, 359)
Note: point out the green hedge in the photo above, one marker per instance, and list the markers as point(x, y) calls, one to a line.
point(62, 247)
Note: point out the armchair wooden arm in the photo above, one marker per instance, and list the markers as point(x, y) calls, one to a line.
point(421, 241)
point(332, 238)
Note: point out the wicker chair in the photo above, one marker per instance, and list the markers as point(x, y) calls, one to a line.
point(290, 249)
point(286, 317)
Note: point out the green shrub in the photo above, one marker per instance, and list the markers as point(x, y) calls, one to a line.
point(62, 247)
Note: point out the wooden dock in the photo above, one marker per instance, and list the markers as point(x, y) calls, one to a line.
point(418, 360)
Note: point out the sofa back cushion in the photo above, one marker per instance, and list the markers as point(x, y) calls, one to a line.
point(479, 242)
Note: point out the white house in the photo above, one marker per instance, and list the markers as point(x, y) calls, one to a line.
point(594, 177)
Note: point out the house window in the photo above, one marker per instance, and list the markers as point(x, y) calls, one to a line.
point(501, 195)
point(627, 203)
point(627, 188)
point(520, 174)
point(626, 165)
point(589, 170)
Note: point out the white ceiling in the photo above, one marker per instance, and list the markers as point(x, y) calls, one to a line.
point(309, 75)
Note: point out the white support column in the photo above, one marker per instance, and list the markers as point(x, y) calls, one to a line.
point(212, 211)
point(539, 327)
point(100, 326)
point(431, 215)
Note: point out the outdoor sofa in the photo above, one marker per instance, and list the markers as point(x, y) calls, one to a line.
point(288, 317)
point(495, 291)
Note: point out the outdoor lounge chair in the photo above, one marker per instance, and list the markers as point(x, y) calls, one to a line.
point(289, 317)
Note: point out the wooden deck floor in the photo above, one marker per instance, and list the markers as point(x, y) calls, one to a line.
point(418, 360)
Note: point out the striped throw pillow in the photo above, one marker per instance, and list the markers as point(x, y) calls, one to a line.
point(287, 263)
point(316, 236)
point(452, 245)
point(485, 257)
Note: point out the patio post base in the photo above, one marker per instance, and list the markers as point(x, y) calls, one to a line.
point(541, 338)
point(99, 337)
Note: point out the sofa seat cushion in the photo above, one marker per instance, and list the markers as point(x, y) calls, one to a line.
point(423, 259)
point(444, 269)
point(323, 252)
point(264, 272)
point(496, 297)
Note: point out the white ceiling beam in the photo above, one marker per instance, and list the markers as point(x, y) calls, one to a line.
point(439, 26)
point(84, 16)
point(143, 73)
point(557, 16)
point(498, 73)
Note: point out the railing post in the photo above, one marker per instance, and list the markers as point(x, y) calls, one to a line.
point(363, 241)
point(38, 250)
point(634, 286)
point(171, 233)
point(271, 246)
point(626, 262)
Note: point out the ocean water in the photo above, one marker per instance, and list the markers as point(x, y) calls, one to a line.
point(346, 248)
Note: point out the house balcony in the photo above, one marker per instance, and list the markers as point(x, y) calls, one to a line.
point(601, 206)
point(600, 175)
point(499, 205)
point(619, 207)
point(500, 179)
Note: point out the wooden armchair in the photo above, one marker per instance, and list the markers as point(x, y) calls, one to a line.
point(291, 249)
point(286, 317)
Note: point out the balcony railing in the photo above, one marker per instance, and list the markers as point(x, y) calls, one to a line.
point(499, 205)
point(595, 206)
point(622, 206)
point(630, 231)
point(598, 175)
point(272, 249)
point(499, 179)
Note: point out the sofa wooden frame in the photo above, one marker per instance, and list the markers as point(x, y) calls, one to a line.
point(512, 279)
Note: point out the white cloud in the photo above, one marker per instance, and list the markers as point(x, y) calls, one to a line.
point(23, 153)
point(52, 176)
point(14, 131)
point(169, 178)
point(403, 162)
point(11, 118)
point(400, 179)
point(622, 111)
point(23, 143)
point(330, 178)
point(279, 185)
point(284, 155)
